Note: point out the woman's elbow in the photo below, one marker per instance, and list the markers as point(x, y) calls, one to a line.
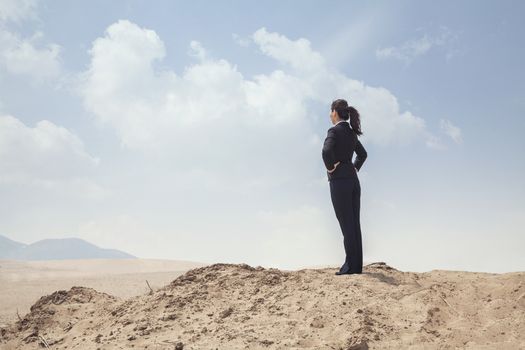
point(362, 153)
point(327, 151)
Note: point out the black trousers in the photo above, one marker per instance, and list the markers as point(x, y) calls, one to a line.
point(346, 199)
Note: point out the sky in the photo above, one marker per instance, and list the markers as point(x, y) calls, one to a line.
point(193, 130)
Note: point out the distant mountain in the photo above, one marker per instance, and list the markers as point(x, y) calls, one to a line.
point(57, 249)
point(8, 246)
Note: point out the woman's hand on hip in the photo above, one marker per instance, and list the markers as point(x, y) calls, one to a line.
point(335, 166)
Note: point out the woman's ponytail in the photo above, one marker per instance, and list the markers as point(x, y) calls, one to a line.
point(354, 119)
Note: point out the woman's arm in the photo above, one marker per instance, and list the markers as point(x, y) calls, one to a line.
point(360, 155)
point(328, 149)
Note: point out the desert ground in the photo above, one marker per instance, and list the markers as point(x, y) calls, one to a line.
point(238, 306)
point(23, 282)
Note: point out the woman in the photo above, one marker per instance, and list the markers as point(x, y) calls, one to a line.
point(345, 189)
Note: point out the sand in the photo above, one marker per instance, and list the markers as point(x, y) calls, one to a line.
point(237, 306)
point(23, 282)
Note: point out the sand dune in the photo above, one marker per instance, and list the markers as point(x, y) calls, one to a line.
point(237, 306)
point(23, 282)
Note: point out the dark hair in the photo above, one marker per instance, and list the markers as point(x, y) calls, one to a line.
point(346, 112)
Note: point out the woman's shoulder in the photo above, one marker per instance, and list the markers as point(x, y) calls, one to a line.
point(331, 129)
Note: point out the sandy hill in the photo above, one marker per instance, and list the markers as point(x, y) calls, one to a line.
point(237, 306)
point(22, 282)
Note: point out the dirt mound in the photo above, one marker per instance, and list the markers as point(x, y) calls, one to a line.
point(237, 306)
point(53, 315)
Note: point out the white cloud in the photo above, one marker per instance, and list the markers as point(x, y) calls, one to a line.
point(382, 120)
point(244, 42)
point(451, 130)
point(202, 120)
point(196, 50)
point(153, 109)
point(46, 155)
point(413, 48)
point(17, 10)
point(26, 56)
point(435, 142)
point(298, 54)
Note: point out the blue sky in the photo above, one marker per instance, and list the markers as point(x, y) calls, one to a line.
point(193, 130)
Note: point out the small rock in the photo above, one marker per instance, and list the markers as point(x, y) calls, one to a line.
point(356, 344)
point(317, 323)
point(267, 342)
point(225, 313)
point(97, 338)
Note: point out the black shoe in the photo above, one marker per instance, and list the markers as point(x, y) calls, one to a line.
point(347, 273)
point(344, 269)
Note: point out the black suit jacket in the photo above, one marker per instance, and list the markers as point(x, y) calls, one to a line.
point(340, 144)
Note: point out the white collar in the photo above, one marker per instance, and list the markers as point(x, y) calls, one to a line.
point(341, 121)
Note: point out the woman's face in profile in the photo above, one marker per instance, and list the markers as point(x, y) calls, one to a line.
point(333, 116)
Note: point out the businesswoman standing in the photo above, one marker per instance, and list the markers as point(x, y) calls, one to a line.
point(345, 190)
